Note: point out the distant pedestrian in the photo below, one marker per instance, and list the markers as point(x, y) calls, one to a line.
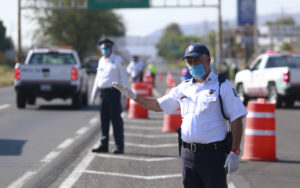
point(136, 69)
point(152, 70)
point(235, 67)
point(110, 69)
point(203, 128)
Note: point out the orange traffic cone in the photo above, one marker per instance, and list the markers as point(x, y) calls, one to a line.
point(136, 110)
point(260, 141)
point(172, 121)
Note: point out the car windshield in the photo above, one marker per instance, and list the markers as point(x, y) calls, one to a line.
point(284, 61)
point(52, 58)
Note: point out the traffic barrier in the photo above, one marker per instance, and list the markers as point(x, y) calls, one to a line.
point(160, 77)
point(172, 121)
point(260, 140)
point(136, 110)
point(170, 80)
point(148, 79)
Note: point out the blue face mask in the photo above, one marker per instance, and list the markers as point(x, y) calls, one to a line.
point(105, 51)
point(197, 71)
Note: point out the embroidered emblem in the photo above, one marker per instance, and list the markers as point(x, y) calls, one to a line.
point(234, 92)
point(211, 91)
point(191, 48)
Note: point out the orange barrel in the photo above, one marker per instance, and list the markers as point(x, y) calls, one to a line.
point(136, 110)
point(170, 80)
point(148, 79)
point(160, 77)
point(172, 121)
point(127, 103)
point(260, 140)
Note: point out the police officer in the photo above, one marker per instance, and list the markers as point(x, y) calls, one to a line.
point(204, 161)
point(136, 69)
point(110, 69)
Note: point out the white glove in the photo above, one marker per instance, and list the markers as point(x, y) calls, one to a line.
point(125, 90)
point(232, 162)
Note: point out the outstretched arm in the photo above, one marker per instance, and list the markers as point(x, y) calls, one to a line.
point(148, 103)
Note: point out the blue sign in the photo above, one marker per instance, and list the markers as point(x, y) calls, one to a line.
point(246, 12)
point(113, 4)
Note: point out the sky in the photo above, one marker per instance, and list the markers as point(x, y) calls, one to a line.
point(142, 22)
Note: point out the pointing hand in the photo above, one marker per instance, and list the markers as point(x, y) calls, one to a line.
point(125, 90)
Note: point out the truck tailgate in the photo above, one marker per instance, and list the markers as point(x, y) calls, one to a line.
point(44, 73)
point(295, 75)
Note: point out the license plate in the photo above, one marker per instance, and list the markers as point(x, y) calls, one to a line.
point(46, 87)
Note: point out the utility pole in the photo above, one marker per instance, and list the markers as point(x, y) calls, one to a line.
point(219, 49)
point(19, 32)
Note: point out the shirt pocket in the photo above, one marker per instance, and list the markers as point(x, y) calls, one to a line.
point(186, 106)
point(208, 103)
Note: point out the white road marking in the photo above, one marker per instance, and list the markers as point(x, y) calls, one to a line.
point(3, 106)
point(94, 120)
point(66, 143)
point(151, 135)
point(141, 127)
point(52, 155)
point(137, 158)
point(82, 130)
point(73, 177)
point(134, 176)
point(20, 182)
point(231, 185)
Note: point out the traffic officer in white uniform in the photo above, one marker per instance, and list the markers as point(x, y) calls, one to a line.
point(110, 69)
point(204, 161)
point(136, 69)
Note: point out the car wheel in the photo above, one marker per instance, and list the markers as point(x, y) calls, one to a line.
point(240, 90)
point(85, 99)
point(273, 96)
point(289, 102)
point(31, 100)
point(77, 100)
point(21, 101)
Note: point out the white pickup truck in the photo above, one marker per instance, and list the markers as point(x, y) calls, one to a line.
point(274, 76)
point(49, 74)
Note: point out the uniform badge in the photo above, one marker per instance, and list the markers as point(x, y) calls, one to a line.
point(234, 92)
point(211, 91)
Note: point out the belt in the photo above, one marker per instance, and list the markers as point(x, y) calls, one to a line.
point(107, 89)
point(195, 147)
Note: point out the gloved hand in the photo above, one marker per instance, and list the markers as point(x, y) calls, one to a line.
point(125, 90)
point(232, 162)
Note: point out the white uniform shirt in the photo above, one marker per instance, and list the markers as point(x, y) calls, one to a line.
point(134, 69)
point(202, 119)
point(109, 70)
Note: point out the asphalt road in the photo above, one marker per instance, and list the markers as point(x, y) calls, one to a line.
point(48, 145)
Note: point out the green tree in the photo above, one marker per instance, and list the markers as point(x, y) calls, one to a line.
point(81, 29)
point(285, 46)
point(173, 43)
point(282, 21)
point(5, 42)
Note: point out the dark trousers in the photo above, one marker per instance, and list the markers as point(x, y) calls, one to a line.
point(204, 169)
point(110, 110)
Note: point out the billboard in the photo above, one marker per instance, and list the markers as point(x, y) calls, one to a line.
point(113, 4)
point(246, 12)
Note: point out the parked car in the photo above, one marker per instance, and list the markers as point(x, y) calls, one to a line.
point(273, 75)
point(91, 64)
point(49, 74)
